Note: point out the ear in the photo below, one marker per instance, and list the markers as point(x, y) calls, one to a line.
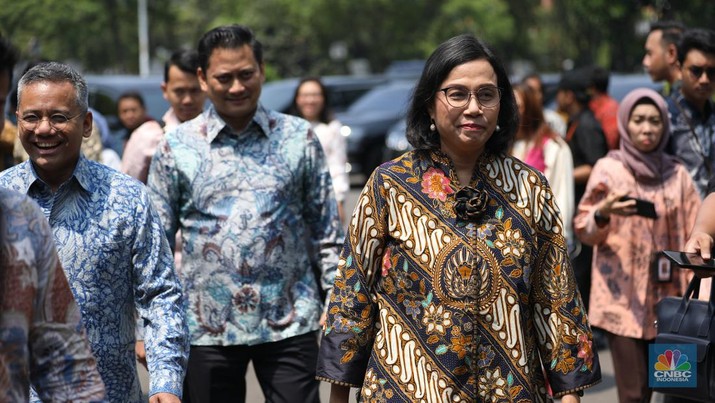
point(163, 90)
point(262, 69)
point(87, 125)
point(671, 54)
point(202, 79)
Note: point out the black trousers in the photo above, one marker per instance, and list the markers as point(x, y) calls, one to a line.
point(285, 370)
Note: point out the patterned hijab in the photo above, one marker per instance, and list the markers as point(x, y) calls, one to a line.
point(652, 167)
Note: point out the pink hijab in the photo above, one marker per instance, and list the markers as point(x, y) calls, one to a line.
point(652, 167)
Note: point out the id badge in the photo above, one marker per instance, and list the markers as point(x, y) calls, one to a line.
point(661, 267)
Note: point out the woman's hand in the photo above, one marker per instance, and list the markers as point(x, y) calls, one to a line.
point(570, 398)
point(339, 393)
point(612, 205)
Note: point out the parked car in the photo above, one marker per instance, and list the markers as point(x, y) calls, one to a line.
point(619, 85)
point(367, 121)
point(342, 91)
point(104, 91)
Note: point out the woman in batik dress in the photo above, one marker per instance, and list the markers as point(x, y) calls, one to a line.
point(454, 284)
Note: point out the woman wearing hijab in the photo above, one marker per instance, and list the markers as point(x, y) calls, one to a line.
point(629, 275)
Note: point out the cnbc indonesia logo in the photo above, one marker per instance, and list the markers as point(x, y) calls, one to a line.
point(672, 366)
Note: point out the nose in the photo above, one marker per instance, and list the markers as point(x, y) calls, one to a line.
point(473, 104)
point(236, 86)
point(43, 126)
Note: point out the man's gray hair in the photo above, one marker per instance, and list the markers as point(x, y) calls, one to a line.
point(56, 73)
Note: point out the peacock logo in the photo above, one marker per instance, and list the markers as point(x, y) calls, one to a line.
point(673, 365)
point(672, 360)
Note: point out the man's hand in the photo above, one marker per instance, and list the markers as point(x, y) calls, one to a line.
point(140, 353)
point(164, 398)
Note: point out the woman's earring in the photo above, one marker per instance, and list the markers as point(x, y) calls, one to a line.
point(498, 128)
point(432, 127)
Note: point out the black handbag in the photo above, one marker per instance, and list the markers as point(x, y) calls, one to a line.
point(690, 321)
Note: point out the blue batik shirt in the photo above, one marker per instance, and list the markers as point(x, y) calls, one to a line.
point(255, 208)
point(118, 262)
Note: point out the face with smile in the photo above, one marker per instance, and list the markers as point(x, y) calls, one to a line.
point(54, 151)
point(464, 131)
point(233, 81)
point(645, 127)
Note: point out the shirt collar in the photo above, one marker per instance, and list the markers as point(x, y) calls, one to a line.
point(170, 119)
point(693, 111)
point(81, 173)
point(215, 124)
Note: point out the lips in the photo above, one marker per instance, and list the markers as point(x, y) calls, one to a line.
point(472, 126)
point(47, 146)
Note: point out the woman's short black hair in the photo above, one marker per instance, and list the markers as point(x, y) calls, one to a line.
point(450, 54)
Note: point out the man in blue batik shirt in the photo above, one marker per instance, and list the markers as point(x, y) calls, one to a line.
point(109, 238)
point(247, 187)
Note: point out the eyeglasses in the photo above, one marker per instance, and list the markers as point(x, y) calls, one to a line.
point(697, 72)
point(57, 121)
point(459, 97)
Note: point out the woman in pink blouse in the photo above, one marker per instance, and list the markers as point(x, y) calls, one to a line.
point(629, 275)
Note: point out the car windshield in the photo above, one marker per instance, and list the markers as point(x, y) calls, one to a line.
point(278, 95)
point(391, 98)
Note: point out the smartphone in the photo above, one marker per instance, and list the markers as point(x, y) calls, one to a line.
point(690, 260)
point(644, 208)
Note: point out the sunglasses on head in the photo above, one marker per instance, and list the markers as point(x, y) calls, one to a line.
point(697, 72)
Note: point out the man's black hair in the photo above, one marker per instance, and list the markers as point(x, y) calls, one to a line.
point(186, 60)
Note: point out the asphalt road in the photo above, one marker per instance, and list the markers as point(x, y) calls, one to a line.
point(605, 392)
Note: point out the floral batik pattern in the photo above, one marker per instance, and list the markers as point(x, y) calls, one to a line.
point(257, 212)
point(449, 294)
point(119, 265)
point(41, 338)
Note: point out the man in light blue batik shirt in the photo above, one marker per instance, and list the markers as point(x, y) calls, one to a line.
point(109, 238)
point(247, 187)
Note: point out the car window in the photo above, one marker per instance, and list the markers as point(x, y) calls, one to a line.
point(278, 95)
point(391, 98)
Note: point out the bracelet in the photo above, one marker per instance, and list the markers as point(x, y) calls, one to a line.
point(600, 219)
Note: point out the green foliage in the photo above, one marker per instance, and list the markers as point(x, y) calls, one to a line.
point(101, 35)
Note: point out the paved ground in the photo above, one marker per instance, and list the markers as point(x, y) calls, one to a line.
point(605, 392)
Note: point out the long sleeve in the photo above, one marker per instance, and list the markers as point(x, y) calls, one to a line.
point(348, 337)
point(599, 183)
point(162, 183)
point(559, 163)
point(321, 213)
point(62, 366)
point(565, 338)
point(335, 146)
point(43, 342)
point(161, 303)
